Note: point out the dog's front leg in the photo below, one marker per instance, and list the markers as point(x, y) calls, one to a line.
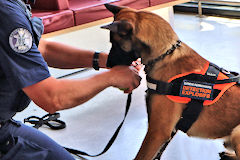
point(235, 142)
point(163, 118)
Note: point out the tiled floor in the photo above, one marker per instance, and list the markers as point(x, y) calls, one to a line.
point(90, 126)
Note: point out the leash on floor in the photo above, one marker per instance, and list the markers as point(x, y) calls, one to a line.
point(79, 153)
point(52, 121)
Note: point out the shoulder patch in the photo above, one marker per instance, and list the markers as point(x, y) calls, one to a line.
point(20, 40)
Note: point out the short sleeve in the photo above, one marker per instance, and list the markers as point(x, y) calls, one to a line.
point(20, 59)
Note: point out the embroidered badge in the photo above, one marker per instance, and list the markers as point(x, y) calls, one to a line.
point(196, 90)
point(20, 40)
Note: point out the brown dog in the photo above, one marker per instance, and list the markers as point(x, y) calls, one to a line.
point(146, 35)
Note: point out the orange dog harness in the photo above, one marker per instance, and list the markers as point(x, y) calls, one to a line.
point(208, 85)
point(195, 89)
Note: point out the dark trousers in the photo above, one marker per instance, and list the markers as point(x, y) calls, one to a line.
point(21, 142)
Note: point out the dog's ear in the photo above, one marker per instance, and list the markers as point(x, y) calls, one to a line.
point(113, 8)
point(122, 27)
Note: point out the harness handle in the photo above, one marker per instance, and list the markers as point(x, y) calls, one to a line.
point(235, 78)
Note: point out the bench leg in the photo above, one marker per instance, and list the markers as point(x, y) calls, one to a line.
point(199, 8)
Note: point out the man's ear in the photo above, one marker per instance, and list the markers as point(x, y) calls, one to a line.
point(113, 8)
point(122, 27)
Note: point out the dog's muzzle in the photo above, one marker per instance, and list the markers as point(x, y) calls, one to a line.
point(118, 56)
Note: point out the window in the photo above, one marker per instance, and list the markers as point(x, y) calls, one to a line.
point(213, 7)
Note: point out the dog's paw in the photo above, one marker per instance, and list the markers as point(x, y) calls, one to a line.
point(227, 156)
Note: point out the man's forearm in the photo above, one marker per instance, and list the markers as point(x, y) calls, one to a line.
point(75, 92)
point(63, 56)
point(57, 94)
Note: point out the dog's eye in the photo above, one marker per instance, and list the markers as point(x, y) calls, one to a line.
point(124, 36)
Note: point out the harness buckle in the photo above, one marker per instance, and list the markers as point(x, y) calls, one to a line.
point(224, 71)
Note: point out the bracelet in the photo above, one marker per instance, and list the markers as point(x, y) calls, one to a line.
point(95, 62)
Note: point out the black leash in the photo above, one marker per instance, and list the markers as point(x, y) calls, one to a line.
point(51, 120)
point(78, 153)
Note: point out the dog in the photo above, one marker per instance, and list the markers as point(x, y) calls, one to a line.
point(168, 61)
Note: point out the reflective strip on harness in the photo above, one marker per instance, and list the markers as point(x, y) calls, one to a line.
point(151, 86)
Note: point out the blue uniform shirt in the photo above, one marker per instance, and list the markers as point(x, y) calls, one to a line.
point(21, 63)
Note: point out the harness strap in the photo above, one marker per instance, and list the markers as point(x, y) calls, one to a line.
point(160, 87)
point(189, 115)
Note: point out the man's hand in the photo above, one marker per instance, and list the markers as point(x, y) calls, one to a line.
point(137, 64)
point(124, 77)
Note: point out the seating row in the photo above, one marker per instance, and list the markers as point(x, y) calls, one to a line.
point(62, 14)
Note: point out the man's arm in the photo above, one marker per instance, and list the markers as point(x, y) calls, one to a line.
point(59, 55)
point(57, 94)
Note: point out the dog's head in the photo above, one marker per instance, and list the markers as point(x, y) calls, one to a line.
point(136, 34)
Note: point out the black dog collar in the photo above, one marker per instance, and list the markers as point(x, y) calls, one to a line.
point(151, 63)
